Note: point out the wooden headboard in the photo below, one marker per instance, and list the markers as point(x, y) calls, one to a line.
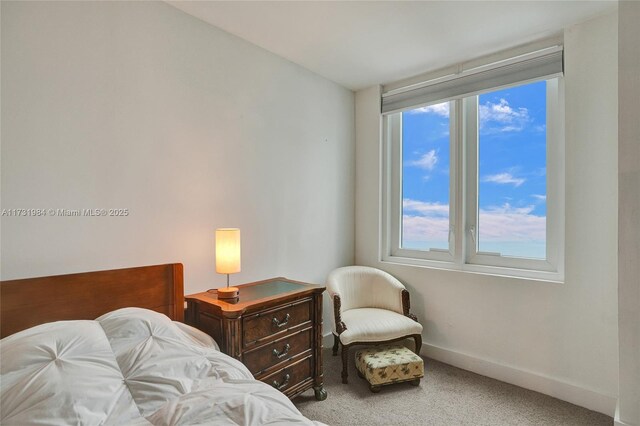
point(28, 302)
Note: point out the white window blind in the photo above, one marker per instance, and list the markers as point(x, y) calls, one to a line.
point(542, 64)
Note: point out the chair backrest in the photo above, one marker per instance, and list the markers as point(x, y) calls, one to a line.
point(365, 287)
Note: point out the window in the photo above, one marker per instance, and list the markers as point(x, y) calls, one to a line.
point(425, 144)
point(474, 180)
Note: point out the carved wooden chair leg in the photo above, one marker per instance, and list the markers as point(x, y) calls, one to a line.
point(336, 344)
point(418, 341)
point(345, 360)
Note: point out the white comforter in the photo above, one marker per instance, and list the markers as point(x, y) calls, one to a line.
point(130, 367)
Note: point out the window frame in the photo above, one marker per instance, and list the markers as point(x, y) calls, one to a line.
point(463, 190)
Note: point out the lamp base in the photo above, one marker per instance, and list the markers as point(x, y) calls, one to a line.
point(228, 292)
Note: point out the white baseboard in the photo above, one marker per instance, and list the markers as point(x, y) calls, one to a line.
point(618, 422)
point(616, 418)
point(575, 394)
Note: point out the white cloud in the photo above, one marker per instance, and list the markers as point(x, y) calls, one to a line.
point(425, 208)
point(504, 178)
point(424, 221)
point(507, 223)
point(427, 161)
point(439, 109)
point(539, 197)
point(507, 209)
point(501, 117)
point(421, 228)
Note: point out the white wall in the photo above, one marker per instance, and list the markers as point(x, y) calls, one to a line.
point(137, 105)
point(560, 339)
point(629, 213)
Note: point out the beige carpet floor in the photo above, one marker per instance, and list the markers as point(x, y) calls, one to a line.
point(446, 396)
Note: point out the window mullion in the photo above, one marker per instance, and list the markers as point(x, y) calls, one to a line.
point(457, 185)
point(470, 166)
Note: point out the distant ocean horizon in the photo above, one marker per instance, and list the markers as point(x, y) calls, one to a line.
point(524, 249)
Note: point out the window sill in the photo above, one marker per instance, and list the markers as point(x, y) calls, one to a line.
point(495, 271)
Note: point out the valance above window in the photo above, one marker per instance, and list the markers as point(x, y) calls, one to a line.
point(541, 64)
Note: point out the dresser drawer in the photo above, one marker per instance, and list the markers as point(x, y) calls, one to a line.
point(279, 351)
point(290, 376)
point(262, 325)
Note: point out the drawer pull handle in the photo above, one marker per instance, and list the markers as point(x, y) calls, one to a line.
point(283, 323)
point(284, 383)
point(284, 352)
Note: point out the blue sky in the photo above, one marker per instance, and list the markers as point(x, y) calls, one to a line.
point(511, 173)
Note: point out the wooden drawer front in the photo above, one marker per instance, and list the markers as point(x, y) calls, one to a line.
point(290, 376)
point(281, 350)
point(264, 324)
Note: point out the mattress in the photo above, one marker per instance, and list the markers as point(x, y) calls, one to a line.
point(131, 366)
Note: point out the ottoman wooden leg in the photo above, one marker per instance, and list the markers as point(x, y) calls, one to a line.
point(415, 382)
point(345, 360)
point(375, 389)
point(336, 344)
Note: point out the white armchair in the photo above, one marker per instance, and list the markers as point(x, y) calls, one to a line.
point(370, 307)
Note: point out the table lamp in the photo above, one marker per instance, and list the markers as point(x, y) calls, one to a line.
point(228, 258)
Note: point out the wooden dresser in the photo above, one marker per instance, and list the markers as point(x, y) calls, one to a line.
point(274, 328)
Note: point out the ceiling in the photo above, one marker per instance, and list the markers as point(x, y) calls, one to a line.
point(361, 43)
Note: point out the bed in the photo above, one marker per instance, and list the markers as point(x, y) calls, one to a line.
point(109, 347)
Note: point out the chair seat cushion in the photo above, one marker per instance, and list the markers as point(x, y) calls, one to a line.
point(375, 325)
point(382, 365)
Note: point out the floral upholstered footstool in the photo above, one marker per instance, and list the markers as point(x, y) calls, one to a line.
point(384, 365)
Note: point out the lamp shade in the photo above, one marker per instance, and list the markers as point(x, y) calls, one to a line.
point(227, 250)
